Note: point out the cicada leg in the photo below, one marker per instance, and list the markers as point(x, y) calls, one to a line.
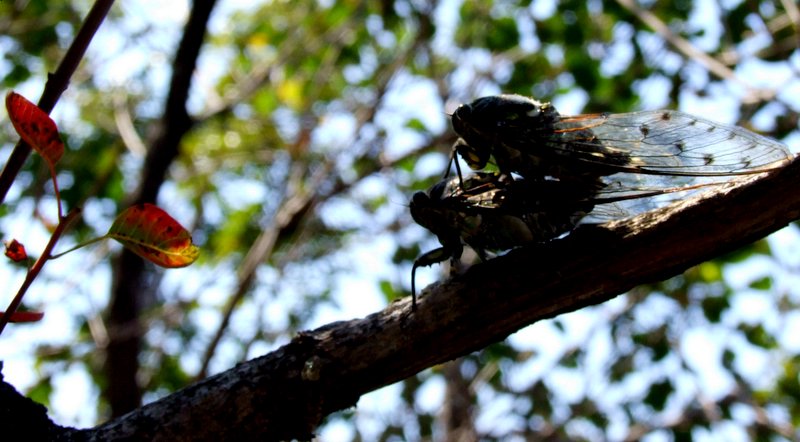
point(435, 256)
point(454, 161)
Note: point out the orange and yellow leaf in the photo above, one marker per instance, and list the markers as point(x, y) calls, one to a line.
point(35, 127)
point(152, 234)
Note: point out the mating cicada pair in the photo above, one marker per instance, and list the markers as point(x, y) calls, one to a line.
point(555, 171)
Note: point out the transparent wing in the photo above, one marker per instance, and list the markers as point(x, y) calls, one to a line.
point(627, 203)
point(669, 143)
point(671, 156)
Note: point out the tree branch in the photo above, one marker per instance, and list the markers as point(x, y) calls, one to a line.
point(285, 394)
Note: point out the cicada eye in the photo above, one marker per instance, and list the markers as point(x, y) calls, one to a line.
point(463, 111)
point(420, 199)
point(460, 118)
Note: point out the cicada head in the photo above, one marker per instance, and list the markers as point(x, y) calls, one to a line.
point(426, 209)
point(489, 123)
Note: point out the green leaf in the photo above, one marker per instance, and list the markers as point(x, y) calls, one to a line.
point(714, 306)
point(417, 125)
point(387, 289)
point(758, 335)
point(764, 283)
point(659, 394)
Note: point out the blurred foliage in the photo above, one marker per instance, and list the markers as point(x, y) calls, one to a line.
point(314, 122)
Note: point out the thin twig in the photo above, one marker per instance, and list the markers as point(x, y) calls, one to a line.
point(130, 138)
point(296, 204)
point(793, 13)
point(78, 246)
point(63, 223)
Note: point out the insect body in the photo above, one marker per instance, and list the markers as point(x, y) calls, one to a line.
point(494, 212)
point(605, 165)
point(633, 150)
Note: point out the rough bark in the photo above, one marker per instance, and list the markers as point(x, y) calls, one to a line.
point(285, 394)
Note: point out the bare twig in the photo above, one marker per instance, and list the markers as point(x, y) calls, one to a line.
point(63, 223)
point(295, 205)
point(122, 117)
point(793, 13)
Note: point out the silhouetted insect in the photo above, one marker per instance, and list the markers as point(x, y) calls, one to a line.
point(607, 166)
point(494, 212)
point(639, 150)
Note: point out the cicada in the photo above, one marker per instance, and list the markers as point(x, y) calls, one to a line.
point(629, 151)
point(497, 212)
point(492, 212)
point(555, 170)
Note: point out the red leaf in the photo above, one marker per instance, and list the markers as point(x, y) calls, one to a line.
point(25, 316)
point(152, 234)
point(35, 127)
point(15, 250)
